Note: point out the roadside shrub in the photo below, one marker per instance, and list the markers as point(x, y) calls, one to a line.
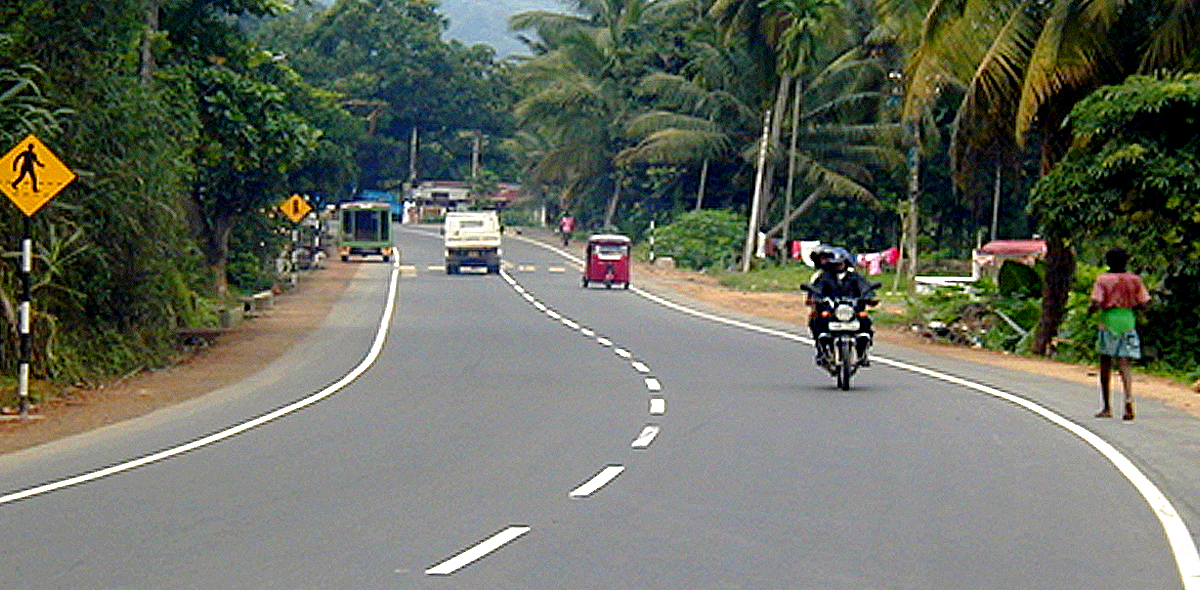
point(702, 239)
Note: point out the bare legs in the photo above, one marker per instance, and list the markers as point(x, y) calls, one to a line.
point(1106, 363)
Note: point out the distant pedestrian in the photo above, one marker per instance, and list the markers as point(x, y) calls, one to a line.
point(566, 225)
point(1116, 294)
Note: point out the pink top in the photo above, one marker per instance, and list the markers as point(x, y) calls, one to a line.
point(1119, 289)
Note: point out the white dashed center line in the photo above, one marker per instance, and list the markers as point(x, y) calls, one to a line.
point(658, 406)
point(597, 481)
point(477, 552)
point(647, 436)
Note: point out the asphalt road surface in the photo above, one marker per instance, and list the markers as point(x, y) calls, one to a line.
point(520, 432)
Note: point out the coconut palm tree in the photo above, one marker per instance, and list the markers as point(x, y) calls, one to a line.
point(708, 110)
point(1024, 64)
point(580, 91)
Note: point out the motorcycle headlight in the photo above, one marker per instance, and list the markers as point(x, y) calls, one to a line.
point(843, 313)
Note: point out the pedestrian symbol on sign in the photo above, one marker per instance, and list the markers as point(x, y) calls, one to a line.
point(37, 175)
point(27, 160)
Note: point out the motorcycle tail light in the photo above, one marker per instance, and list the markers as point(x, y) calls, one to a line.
point(825, 314)
point(862, 314)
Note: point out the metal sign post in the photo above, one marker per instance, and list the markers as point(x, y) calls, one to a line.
point(295, 208)
point(31, 175)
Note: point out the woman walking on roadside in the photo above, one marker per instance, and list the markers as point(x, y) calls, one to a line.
point(1116, 294)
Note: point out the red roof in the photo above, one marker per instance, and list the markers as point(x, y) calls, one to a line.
point(1014, 247)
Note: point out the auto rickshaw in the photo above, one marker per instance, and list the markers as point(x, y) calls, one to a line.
point(607, 260)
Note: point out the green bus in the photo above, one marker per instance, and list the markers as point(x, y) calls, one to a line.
point(365, 230)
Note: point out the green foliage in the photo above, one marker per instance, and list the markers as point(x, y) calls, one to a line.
point(254, 245)
point(1133, 178)
point(778, 278)
point(1019, 280)
point(116, 268)
point(1134, 173)
point(702, 239)
point(388, 63)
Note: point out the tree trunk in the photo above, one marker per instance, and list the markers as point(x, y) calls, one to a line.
point(781, 101)
point(1060, 276)
point(146, 71)
point(612, 202)
point(703, 185)
point(801, 209)
point(217, 253)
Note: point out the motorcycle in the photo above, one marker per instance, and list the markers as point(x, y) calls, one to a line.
point(844, 322)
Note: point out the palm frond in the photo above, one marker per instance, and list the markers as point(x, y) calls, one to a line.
point(987, 111)
point(1085, 58)
point(656, 121)
point(1173, 41)
point(675, 146)
point(843, 104)
point(816, 174)
point(874, 133)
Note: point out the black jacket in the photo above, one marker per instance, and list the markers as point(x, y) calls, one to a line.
point(847, 284)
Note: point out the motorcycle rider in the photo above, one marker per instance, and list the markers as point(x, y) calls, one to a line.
point(838, 279)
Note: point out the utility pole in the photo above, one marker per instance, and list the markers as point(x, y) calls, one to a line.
point(476, 145)
point(911, 225)
point(791, 181)
point(996, 200)
point(752, 230)
point(412, 158)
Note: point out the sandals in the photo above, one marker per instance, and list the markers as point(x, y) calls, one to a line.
point(1107, 412)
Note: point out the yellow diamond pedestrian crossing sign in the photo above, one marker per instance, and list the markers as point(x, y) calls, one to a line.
point(295, 208)
point(30, 174)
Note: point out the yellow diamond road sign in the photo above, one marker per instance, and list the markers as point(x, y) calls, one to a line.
point(295, 208)
point(30, 174)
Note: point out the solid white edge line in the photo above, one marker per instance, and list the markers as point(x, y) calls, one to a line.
point(1187, 558)
point(597, 481)
point(478, 551)
point(368, 360)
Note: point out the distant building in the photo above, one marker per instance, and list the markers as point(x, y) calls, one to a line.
point(432, 198)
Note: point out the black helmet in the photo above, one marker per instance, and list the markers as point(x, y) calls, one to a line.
point(837, 259)
point(819, 253)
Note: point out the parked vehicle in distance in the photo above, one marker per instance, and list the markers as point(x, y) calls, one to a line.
point(607, 260)
point(472, 239)
point(365, 230)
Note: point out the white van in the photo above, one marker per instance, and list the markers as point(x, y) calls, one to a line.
point(472, 239)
